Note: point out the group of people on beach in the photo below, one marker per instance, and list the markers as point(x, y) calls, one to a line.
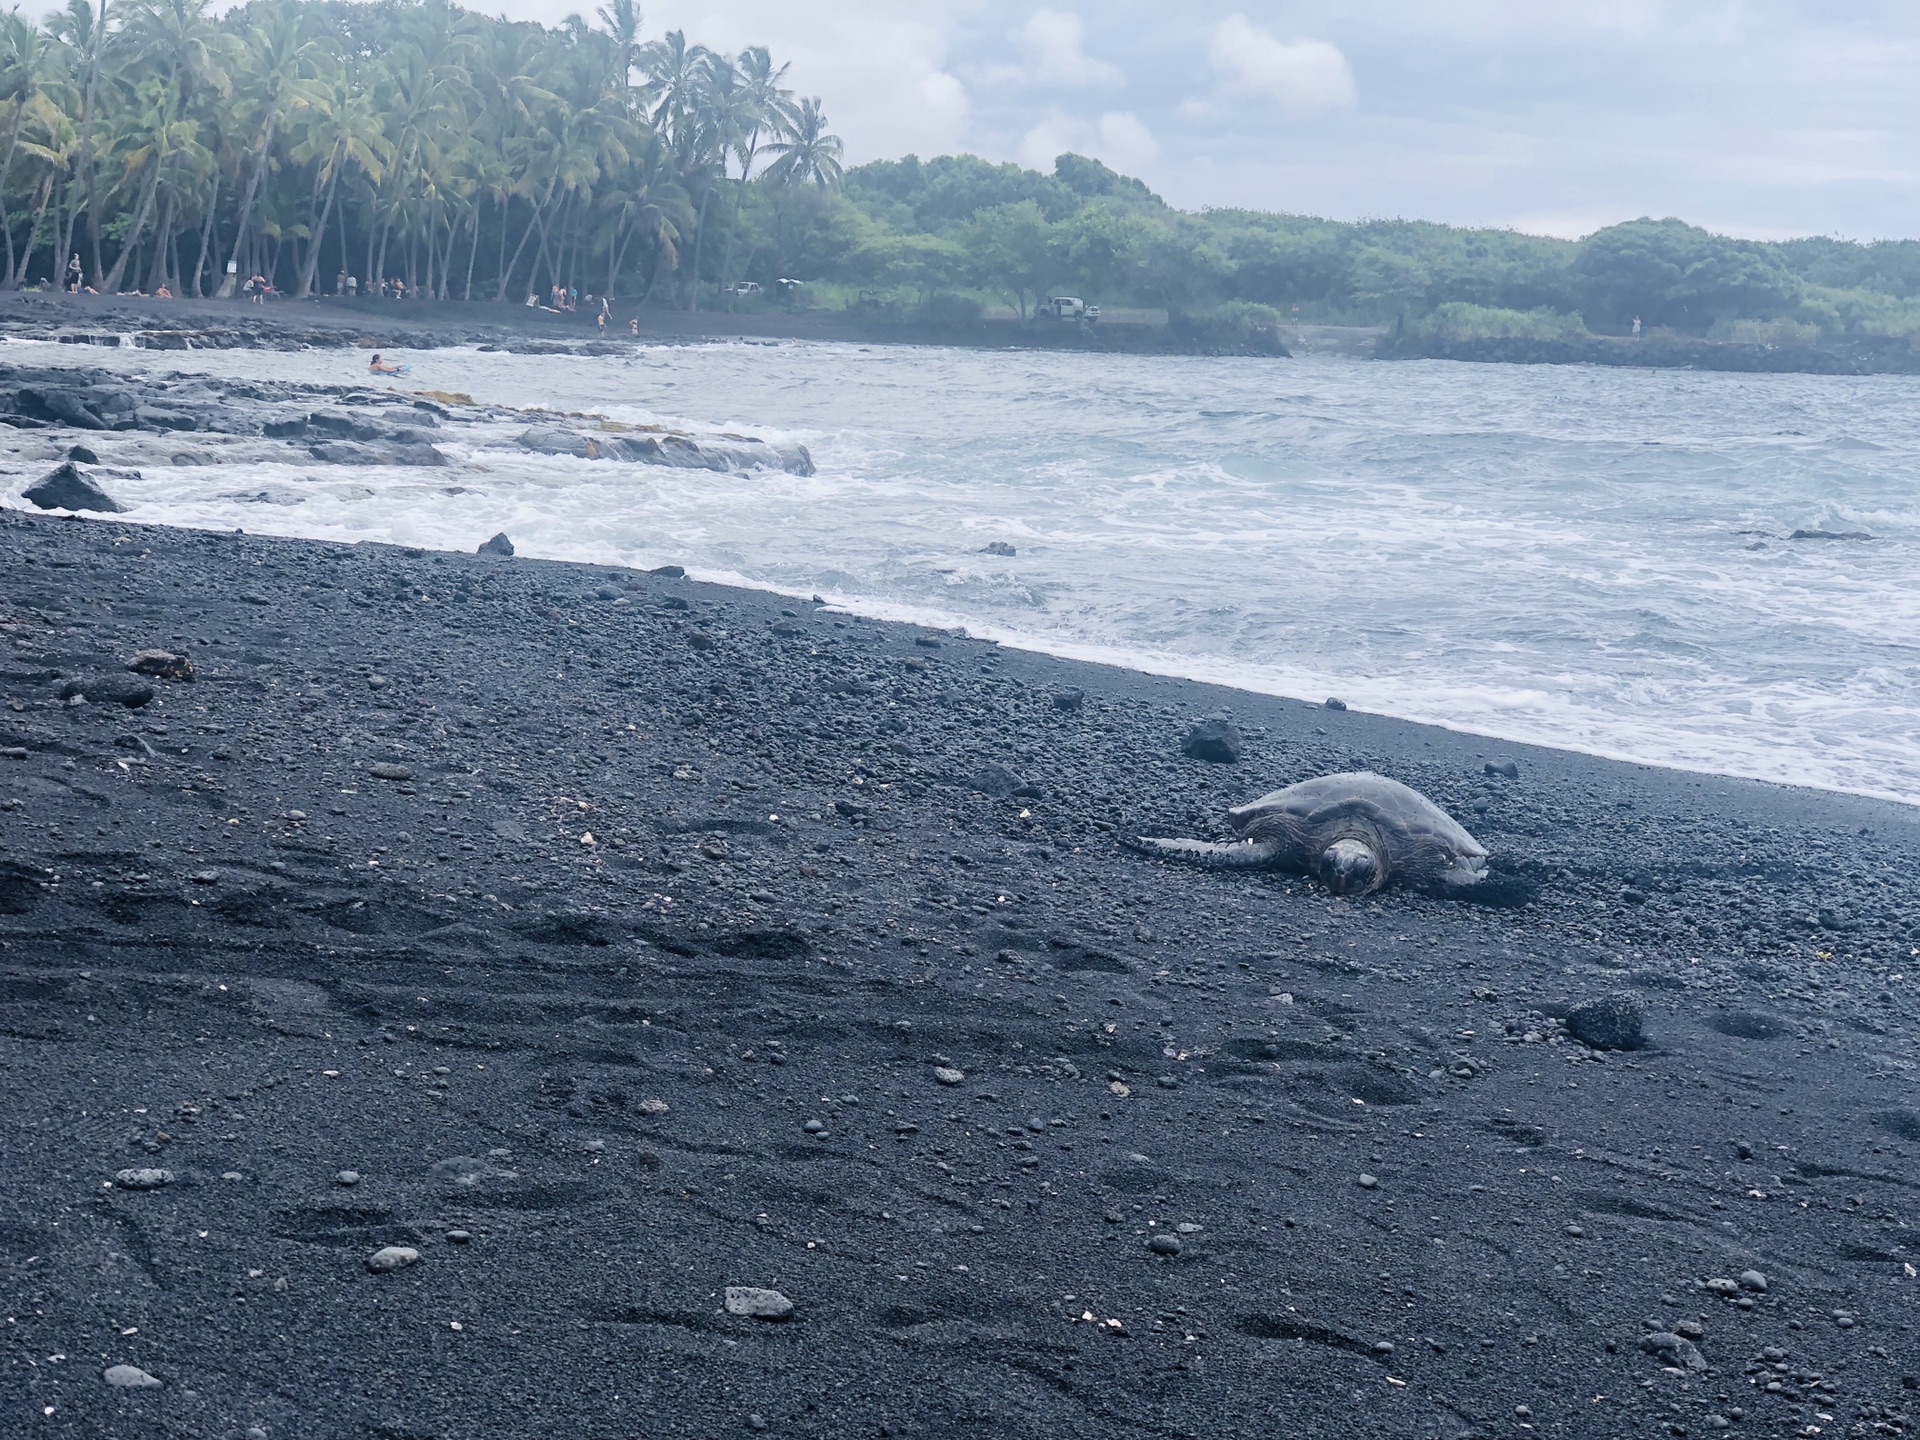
point(566, 299)
point(562, 300)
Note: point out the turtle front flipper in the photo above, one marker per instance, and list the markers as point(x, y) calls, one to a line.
point(1215, 855)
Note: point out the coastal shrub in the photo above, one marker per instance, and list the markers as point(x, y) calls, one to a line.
point(1457, 320)
point(1236, 325)
point(1766, 332)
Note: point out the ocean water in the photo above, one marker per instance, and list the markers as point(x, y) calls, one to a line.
point(1593, 559)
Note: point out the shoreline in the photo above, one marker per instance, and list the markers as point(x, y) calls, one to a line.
point(379, 422)
point(606, 938)
point(327, 322)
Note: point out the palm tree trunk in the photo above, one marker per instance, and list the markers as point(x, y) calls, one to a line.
point(86, 138)
point(246, 208)
point(206, 234)
point(616, 251)
point(158, 271)
point(506, 275)
point(474, 253)
point(726, 262)
point(73, 216)
point(319, 234)
point(653, 277)
point(541, 257)
point(506, 214)
point(699, 234)
point(6, 173)
point(17, 277)
point(112, 283)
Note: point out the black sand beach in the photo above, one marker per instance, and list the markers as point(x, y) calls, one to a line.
point(606, 940)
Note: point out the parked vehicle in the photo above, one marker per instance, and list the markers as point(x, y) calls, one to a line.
point(1068, 307)
point(745, 287)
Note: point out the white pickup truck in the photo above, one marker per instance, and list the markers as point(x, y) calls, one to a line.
point(1067, 307)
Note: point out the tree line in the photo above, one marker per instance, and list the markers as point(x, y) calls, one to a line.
point(483, 159)
point(468, 157)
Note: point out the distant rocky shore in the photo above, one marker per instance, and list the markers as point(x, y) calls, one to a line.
point(388, 325)
point(1869, 355)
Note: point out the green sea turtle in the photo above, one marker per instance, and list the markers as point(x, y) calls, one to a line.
point(1356, 832)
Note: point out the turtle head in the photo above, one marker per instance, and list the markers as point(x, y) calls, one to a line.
point(1351, 867)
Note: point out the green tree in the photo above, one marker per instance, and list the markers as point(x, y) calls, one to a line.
point(1015, 251)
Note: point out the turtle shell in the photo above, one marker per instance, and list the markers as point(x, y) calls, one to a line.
point(1422, 842)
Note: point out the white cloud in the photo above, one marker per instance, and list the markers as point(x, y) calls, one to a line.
point(882, 68)
point(1053, 48)
point(1125, 143)
point(1053, 136)
point(1302, 75)
point(1118, 138)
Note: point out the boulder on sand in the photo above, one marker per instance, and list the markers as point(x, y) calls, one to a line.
point(1216, 741)
point(1613, 1023)
point(67, 489)
point(499, 546)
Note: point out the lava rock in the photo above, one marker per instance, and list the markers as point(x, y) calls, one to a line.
point(499, 546)
point(1507, 769)
point(126, 690)
point(1164, 1244)
point(1613, 1023)
point(161, 664)
point(996, 780)
point(143, 1178)
point(67, 489)
point(60, 405)
point(129, 1377)
point(1069, 699)
point(389, 1258)
point(756, 1303)
point(1674, 1350)
point(82, 454)
point(1217, 742)
point(1334, 703)
point(552, 440)
point(999, 547)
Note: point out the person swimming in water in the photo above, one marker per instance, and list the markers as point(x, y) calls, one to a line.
point(384, 367)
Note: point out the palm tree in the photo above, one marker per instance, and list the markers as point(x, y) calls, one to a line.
point(88, 35)
point(340, 132)
point(280, 57)
point(300, 130)
point(26, 60)
point(622, 21)
point(676, 71)
point(50, 137)
point(757, 106)
point(808, 154)
point(182, 51)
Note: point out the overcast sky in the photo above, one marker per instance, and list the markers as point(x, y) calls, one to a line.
point(1764, 118)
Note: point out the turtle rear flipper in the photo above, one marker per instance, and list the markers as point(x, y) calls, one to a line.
point(1213, 854)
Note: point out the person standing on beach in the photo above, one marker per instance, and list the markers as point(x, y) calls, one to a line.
point(1636, 326)
point(76, 276)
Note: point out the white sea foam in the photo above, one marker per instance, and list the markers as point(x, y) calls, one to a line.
point(1578, 557)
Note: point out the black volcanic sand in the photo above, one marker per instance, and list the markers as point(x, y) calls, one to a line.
point(654, 880)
